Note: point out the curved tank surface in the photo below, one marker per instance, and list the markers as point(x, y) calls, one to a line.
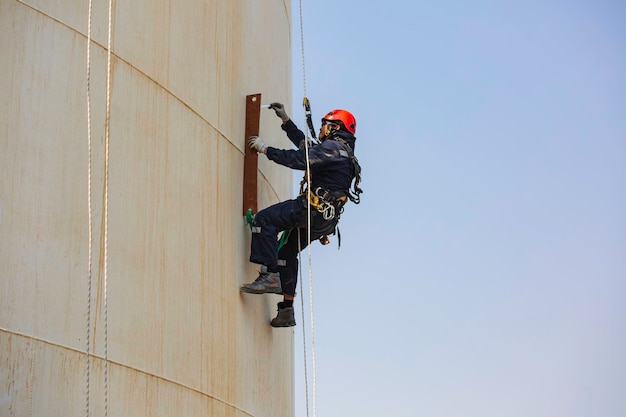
point(123, 239)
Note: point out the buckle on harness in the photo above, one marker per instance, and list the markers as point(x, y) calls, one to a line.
point(314, 200)
point(327, 208)
point(319, 203)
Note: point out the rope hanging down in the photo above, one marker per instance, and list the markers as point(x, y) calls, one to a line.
point(105, 214)
point(89, 260)
point(307, 111)
point(107, 130)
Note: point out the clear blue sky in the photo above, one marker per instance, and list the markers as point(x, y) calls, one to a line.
point(484, 272)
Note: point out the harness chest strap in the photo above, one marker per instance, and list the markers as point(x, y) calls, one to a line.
point(355, 194)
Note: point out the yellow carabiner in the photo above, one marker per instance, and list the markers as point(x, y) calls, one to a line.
point(315, 201)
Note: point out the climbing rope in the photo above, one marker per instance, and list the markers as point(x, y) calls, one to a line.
point(89, 261)
point(307, 109)
point(302, 50)
point(306, 373)
point(308, 231)
point(107, 129)
point(90, 215)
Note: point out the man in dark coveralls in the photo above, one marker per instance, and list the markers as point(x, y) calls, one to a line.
point(332, 168)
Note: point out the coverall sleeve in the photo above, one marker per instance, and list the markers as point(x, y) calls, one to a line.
point(295, 135)
point(320, 154)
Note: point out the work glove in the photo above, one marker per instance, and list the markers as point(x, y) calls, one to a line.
point(280, 111)
point(256, 143)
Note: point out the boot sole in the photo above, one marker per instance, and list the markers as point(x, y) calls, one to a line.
point(251, 291)
point(283, 325)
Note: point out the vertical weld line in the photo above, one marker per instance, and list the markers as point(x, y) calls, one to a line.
point(31, 377)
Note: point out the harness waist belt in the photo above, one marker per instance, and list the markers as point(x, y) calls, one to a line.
point(331, 197)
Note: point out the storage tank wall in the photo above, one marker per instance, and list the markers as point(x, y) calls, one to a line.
point(160, 310)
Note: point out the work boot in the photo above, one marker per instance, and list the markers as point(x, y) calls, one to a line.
point(266, 283)
point(285, 317)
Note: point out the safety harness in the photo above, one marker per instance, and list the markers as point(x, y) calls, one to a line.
point(355, 194)
point(325, 202)
point(330, 203)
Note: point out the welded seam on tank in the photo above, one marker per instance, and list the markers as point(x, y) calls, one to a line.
point(30, 6)
point(181, 101)
point(73, 29)
point(288, 17)
point(169, 92)
point(122, 365)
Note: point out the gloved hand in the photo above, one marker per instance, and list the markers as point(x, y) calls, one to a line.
point(280, 111)
point(256, 143)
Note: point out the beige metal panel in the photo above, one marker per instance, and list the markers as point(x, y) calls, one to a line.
point(157, 398)
point(42, 199)
point(41, 379)
point(175, 46)
point(155, 203)
point(254, 63)
point(210, 55)
point(188, 226)
point(74, 14)
point(16, 373)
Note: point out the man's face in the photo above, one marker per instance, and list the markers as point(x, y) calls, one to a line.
point(326, 129)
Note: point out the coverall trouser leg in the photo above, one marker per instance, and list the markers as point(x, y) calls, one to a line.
point(266, 226)
point(288, 215)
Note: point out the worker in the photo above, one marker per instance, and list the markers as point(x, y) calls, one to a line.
point(333, 167)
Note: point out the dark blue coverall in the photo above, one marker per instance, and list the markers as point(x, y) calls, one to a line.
point(331, 169)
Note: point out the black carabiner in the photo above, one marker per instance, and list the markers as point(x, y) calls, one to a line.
point(309, 119)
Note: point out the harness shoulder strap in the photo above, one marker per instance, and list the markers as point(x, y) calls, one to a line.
point(355, 194)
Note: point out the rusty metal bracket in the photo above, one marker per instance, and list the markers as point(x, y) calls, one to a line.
point(251, 158)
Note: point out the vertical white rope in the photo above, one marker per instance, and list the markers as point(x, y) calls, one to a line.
point(107, 128)
point(306, 373)
point(308, 232)
point(302, 50)
point(312, 326)
point(90, 221)
point(308, 177)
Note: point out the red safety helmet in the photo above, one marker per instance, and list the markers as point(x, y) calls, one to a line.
point(345, 118)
